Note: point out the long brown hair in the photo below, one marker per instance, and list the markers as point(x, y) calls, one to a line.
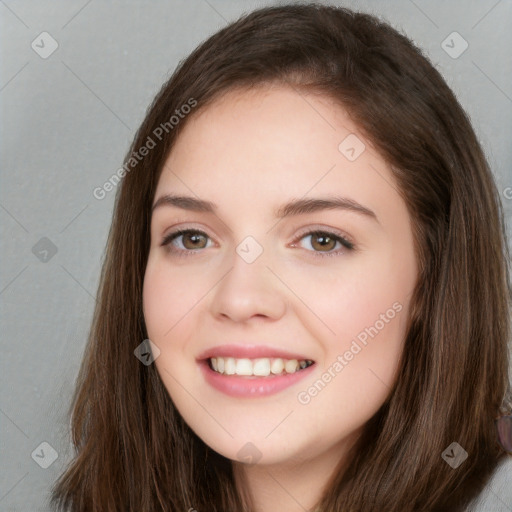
point(134, 452)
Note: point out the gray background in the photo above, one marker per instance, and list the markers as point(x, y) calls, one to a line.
point(67, 122)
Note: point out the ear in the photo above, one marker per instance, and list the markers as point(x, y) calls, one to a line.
point(504, 428)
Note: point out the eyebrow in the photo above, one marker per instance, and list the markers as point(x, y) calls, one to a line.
point(292, 208)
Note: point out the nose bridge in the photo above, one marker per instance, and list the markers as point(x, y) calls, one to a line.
point(250, 250)
point(249, 267)
point(249, 288)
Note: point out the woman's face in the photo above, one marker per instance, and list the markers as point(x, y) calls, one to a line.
point(256, 285)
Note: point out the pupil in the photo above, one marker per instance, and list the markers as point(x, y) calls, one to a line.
point(194, 238)
point(324, 240)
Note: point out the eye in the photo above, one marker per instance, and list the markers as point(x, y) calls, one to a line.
point(326, 240)
point(193, 239)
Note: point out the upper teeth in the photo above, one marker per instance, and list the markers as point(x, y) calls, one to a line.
point(260, 367)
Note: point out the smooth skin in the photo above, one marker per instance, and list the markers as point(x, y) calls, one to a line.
point(249, 153)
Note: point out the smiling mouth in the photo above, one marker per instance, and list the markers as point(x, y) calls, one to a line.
point(259, 367)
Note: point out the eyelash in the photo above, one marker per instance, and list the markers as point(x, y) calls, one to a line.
point(349, 246)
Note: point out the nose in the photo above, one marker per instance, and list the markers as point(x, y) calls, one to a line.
point(249, 290)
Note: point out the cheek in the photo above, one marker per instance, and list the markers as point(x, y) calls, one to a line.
point(365, 311)
point(168, 294)
point(155, 297)
point(361, 360)
point(352, 298)
point(169, 298)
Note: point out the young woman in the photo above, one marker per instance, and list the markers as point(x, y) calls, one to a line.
point(305, 302)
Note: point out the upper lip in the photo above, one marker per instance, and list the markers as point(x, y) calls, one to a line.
point(249, 352)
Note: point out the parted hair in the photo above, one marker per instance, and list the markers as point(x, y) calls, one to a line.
point(132, 449)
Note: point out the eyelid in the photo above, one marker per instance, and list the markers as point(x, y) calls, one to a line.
point(324, 229)
point(338, 235)
point(302, 231)
point(176, 233)
point(183, 225)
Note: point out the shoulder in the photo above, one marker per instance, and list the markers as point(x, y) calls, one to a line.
point(497, 494)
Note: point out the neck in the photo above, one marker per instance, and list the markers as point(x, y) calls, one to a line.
point(291, 486)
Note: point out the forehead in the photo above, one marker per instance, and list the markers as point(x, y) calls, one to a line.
point(254, 155)
point(272, 133)
point(260, 148)
point(277, 116)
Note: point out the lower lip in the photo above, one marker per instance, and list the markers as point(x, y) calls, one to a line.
point(246, 387)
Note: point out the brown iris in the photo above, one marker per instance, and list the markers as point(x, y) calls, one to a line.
point(324, 239)
point(194, 239)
